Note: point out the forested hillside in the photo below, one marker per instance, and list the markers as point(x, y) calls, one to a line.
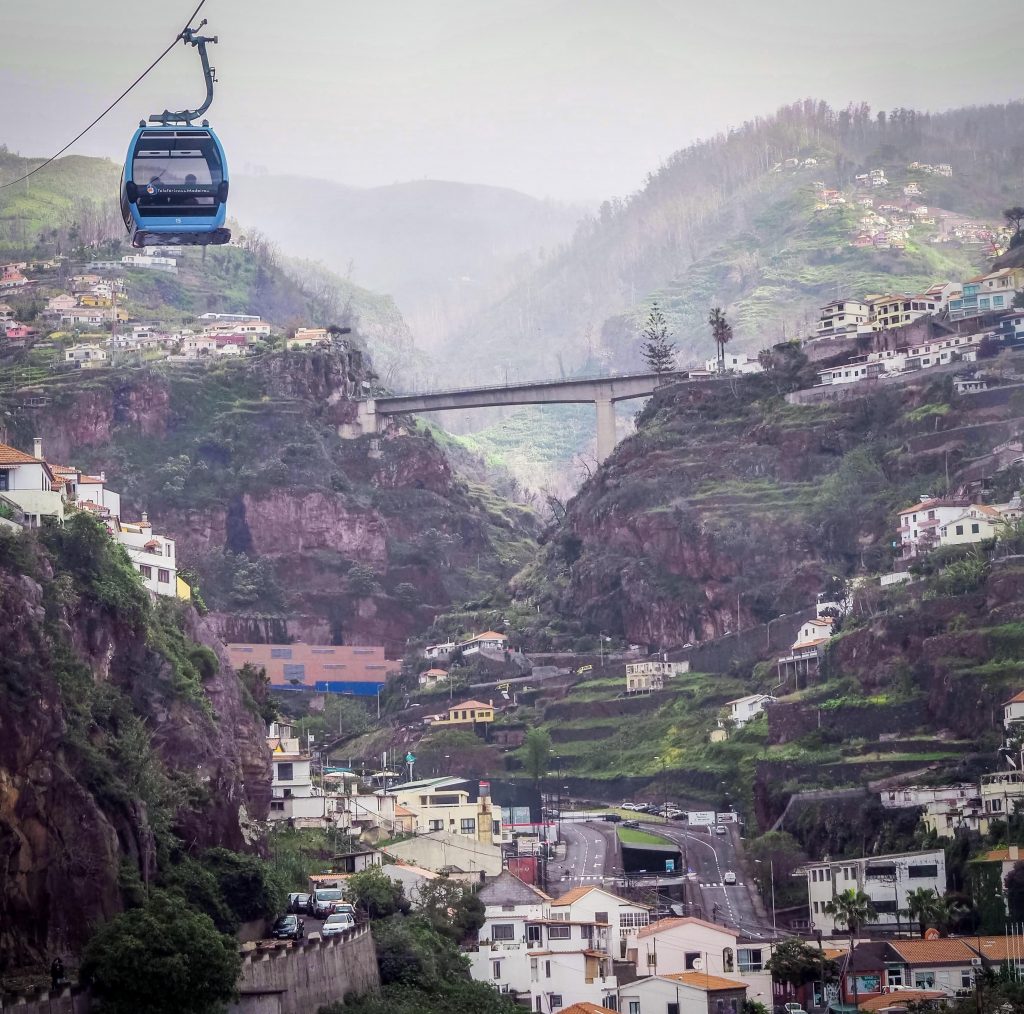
point(717, 226)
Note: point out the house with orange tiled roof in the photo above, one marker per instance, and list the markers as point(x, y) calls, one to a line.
point(683, 993)
point(945, 964)
point(976, 524)
point(919, 524)
point(1013, 711)
point(586, 1008)
point(802, 661)
point(29, 481)
point(489, 640)
point(545, 959)
point(431, 677)
point(471, 713)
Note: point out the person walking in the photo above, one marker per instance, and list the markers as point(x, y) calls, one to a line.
point(56, 974)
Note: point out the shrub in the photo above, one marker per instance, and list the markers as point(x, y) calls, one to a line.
point(162, 958)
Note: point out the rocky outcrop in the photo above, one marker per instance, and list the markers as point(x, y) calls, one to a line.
point(246, 460)
point(85, 788)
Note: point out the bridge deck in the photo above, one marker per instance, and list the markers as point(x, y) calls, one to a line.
point(579, 390)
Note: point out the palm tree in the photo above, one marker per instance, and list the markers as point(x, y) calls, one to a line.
point(923, 905)
point(850, 909)
point(721, 331)
point(949, 910)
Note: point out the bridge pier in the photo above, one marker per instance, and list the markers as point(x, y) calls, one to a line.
point(605, 427)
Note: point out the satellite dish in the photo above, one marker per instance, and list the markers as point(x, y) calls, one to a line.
point(931, 933)
point(698, 964)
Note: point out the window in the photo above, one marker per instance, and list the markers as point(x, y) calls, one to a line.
point(600, 917)
point(885, 906)
point(690, 960)
point(537, 1005)
point(436, 825)
point(146, 571)
point(277, 804)
point(634, 1007)
point(975, 529)
point(750, 959)
point(294, 671)
point(728, 964)
point(285, 772)
point(468, 825)
point(533, 934)
point(559, 932)
point(280, 652)
point(495, 969)
point(556, 1001)
point(503, 931)
point(547, 969)
point(966, 978)
point(163, 576)
point(886, 870)
point(816, 909)
point(169, 548)
point(5, 480)
point(959, 529)
point(924, 980)
point(893, 975)
point(673, 1008)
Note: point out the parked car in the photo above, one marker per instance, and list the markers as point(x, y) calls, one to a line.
point(793, 1008)
point(728, 877)
point(631, 823)
point(337, 922)
point(288, 927)
point(613, 817)
point(325, 901)
point(298, 903)
point(720, 829)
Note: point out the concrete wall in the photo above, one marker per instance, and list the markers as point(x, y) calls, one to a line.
point(65, 1001)
point(299, 978)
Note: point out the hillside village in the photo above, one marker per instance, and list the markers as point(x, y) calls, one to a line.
point(738, 729)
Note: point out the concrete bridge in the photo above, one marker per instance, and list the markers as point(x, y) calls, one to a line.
point(602, 392)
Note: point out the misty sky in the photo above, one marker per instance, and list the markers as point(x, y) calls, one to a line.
point(572, 99)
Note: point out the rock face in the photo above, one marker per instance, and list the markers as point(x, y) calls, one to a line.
point(74, 816)
point(242, 464)
point(727, 508)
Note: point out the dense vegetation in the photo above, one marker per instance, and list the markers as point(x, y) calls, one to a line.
point(109, 689)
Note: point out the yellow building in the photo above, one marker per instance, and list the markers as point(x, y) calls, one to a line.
point(446, 804)
point(467, 713)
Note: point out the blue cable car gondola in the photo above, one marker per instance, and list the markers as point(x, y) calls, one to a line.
point(174, 187)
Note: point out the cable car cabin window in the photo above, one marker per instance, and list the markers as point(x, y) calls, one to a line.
point(177, 176)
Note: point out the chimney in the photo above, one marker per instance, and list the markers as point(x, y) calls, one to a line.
point(145, 521)
point(37, 447)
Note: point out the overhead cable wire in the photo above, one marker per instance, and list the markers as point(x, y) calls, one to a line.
point(78, 137)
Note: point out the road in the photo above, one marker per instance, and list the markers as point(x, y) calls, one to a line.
point(592, 854)
point(709, 857)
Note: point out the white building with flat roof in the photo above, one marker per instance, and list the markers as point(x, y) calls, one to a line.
point(886, 880)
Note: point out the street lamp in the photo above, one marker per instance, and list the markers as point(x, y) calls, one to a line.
point(771, 875)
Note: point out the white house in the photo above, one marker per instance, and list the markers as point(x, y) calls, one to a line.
point(1013, 711)
point(743, 709)
point(657, 666)
point(736, 362)
point(682, 993)
point(85, 355)
point(432, 677)
point(153, 555)
point(977, 523)
point(885, 879)
point(842, 315)
point(919, 524)
point(645, 682)
point(545, 960)
point(595, 904)
point(488, 641)
point(28, 481)
point(292, 795)
point(922, 795)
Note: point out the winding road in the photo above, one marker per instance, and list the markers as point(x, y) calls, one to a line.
point(593, 857)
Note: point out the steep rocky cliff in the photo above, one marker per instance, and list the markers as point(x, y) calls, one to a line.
point(729, 507)
point(124, 738)
point(242, 464)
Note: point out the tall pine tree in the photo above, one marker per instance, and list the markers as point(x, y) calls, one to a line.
point(657, 347)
